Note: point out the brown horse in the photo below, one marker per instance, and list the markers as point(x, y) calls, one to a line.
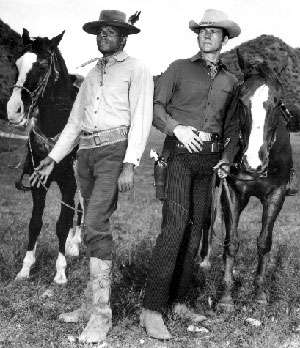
point(262, 168)
point(44, 92)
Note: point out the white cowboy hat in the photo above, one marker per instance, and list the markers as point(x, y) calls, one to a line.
point(216, 19)
point(114, 18)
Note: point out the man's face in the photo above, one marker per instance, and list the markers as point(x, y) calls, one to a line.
point(211, 40)
point(108, 39)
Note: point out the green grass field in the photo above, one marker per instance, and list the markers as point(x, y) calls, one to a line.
point(29, 309)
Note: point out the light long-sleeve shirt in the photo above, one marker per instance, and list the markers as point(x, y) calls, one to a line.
point(119, 93)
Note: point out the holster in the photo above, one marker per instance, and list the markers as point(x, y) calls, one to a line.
point(160, 174)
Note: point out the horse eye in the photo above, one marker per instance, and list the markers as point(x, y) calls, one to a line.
point(275, 100)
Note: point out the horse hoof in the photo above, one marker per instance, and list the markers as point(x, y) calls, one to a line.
point(261, 300)
point(205, 265)
point(225, 304)
point(60, 280)
point(22, 276)
point(260, 297)
point(225, 307)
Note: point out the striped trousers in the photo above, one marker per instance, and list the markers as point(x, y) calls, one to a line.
point(98, 172)
point(188, 199)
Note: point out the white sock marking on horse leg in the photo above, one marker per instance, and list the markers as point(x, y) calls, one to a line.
point(257, 131)
point(28, 262)
point(73, 244)
point(206, 263)
point(61, 265)
point(68, 245)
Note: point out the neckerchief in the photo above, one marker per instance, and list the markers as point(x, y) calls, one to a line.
point(101, 64)
point(213, 67)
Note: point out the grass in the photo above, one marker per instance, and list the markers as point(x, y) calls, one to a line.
point(29, 309)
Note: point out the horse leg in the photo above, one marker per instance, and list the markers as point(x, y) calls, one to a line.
point(205, 245)
point(67, 187)
point(35, 226)
point(74, 238)
point(232, 205)
point(272, 205)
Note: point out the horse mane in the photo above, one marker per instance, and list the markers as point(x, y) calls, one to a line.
point(266, 72)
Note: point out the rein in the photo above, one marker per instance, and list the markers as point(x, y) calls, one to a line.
point(40, 89)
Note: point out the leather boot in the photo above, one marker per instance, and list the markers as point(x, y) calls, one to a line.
point(153, 323)
point(83, 312)
point(101, 316)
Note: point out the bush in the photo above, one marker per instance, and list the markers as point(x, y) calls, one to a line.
point(294, 125)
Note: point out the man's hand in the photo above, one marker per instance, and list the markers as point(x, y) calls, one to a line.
point(126, 178)
point(42, 172)
point(222, 173)
point(187, 136)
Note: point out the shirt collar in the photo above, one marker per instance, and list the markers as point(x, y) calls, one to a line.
point(119, 56)
point(198, 56)
point(108, 61)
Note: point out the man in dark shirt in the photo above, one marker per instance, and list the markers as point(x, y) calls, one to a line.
point(194, 104)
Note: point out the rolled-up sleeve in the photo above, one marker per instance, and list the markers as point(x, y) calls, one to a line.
point(141, 113)
point(163, 93)
point(70, 135)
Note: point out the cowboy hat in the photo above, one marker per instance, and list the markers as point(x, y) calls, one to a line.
point(114, 18)
point(216, 19)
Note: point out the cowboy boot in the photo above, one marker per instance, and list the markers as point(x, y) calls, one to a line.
point(153, 323)
point(101, 315)
point(84, 311)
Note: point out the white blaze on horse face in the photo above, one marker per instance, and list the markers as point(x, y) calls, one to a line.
point(15, 107)
point(256, 137)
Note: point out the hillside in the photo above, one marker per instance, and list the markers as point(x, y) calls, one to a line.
point(10, 47)
point(275, 51)
point(271, 48)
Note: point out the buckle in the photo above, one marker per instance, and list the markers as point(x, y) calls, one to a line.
point(215, 147)
point(97, 140)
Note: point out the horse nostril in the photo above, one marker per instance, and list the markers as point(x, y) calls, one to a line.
point(19, 110)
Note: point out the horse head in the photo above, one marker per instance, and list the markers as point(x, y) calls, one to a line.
point(37, 67)
point(261, 96)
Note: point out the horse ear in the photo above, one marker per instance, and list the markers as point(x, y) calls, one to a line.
point(56, 40)
point(241, 60)
point(25, 37)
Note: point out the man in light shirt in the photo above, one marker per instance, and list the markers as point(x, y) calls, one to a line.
point(111, 117)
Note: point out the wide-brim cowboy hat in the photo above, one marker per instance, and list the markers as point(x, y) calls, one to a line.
point(216, 19)
point(114, 18)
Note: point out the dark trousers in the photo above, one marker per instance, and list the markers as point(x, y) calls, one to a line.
point(188, 199)
point(98, 172)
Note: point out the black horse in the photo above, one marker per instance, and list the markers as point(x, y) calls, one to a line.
point(262, 168)
point(43, 94)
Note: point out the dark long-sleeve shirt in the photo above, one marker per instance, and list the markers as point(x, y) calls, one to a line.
point(185, 94)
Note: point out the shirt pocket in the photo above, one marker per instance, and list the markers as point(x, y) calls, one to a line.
point(192, 91)
point(116, 88)
point(222, 97)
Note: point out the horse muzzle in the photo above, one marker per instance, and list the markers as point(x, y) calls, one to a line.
point(258, 170)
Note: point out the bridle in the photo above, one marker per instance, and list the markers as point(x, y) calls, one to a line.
point(285, 116)
point(40, 89)
point(34, 96)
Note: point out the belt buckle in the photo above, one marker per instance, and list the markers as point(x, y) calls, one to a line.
point(97, 140)
point(214, 147)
